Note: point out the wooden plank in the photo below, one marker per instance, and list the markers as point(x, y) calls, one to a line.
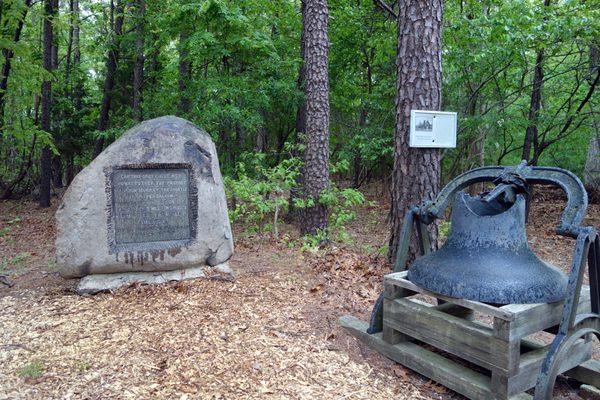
point(434, 366)
point(456, 310)
point(532, 318)
point(392, 291)
point(449, 308)
point(399, 279)
point(531, 363)
point(455, 335)
point(588, 372)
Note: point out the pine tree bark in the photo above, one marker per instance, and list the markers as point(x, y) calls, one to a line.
point(185, 73)
point(112, 60)
point(138, 68)
point(316, 155)
point(416, 175)
point(46, 117)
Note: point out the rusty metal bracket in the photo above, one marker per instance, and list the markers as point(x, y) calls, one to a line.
point(574, 326)
point(517, 178)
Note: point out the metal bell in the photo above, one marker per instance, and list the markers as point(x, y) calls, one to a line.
point(486, 257)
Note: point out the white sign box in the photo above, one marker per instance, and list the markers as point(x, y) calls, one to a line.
point(432, 129)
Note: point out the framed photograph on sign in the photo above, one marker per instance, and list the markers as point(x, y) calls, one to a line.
point(424, 123)
point(433, 129)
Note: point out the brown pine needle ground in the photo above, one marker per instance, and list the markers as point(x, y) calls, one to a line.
point(272, 334)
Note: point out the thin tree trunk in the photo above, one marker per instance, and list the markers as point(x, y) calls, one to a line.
point(416, 175)
point(78, 92)
point(362, 117)
point(295, 191)
point(57, 171)
point(69, 56)
point(535, 103)
point(58, 114)
point(316, 155)
point(301, 81)
point(70, 171)
point(534, 106)
point(260, 144)
point(46, 119)
point(185, 73)
point(357, 167)
point(475, 147)
point(8, 55)
point(153, 62)
point(138, 69)
point(112, 60)
point(55, 40)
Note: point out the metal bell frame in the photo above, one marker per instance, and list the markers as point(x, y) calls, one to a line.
point(509, 182)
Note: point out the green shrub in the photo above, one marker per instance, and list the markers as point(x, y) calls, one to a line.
point(259, 192)
point(32, 370)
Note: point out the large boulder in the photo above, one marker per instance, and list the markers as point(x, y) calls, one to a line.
point(152, 201)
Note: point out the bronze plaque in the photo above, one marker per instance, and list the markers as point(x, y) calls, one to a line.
point(150, 205)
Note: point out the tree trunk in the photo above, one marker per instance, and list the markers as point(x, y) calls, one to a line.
point(78, 92)
point(55, 41)
point(476, 146)
point(316, 155)
point(357, 167)
point(70, 171)
point(362, 117)
point(8, 55)
point(57, 171)
point(138, 69)
point(592, 165)
point(69, 56)
point(185, 73)
point(109, 81)
point(535, 103)
point(300, 119)
point(416, 175)
point(153, 62)
point(46, 119)
point(260, 143)
point(301, 82)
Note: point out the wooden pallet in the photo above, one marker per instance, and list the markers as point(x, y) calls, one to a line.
point(508, 361)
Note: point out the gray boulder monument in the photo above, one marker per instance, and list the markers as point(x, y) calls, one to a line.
point(150, 208)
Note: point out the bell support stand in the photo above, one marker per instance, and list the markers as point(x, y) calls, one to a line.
point(512, 360)
point(574, 326)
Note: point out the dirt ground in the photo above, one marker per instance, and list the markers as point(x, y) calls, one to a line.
point(271, 334)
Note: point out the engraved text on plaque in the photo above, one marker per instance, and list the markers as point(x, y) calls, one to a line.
point(150, 205)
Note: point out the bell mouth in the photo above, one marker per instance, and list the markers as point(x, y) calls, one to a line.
point(481, 208)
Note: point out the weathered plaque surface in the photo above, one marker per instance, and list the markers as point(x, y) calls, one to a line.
point(150, 208)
